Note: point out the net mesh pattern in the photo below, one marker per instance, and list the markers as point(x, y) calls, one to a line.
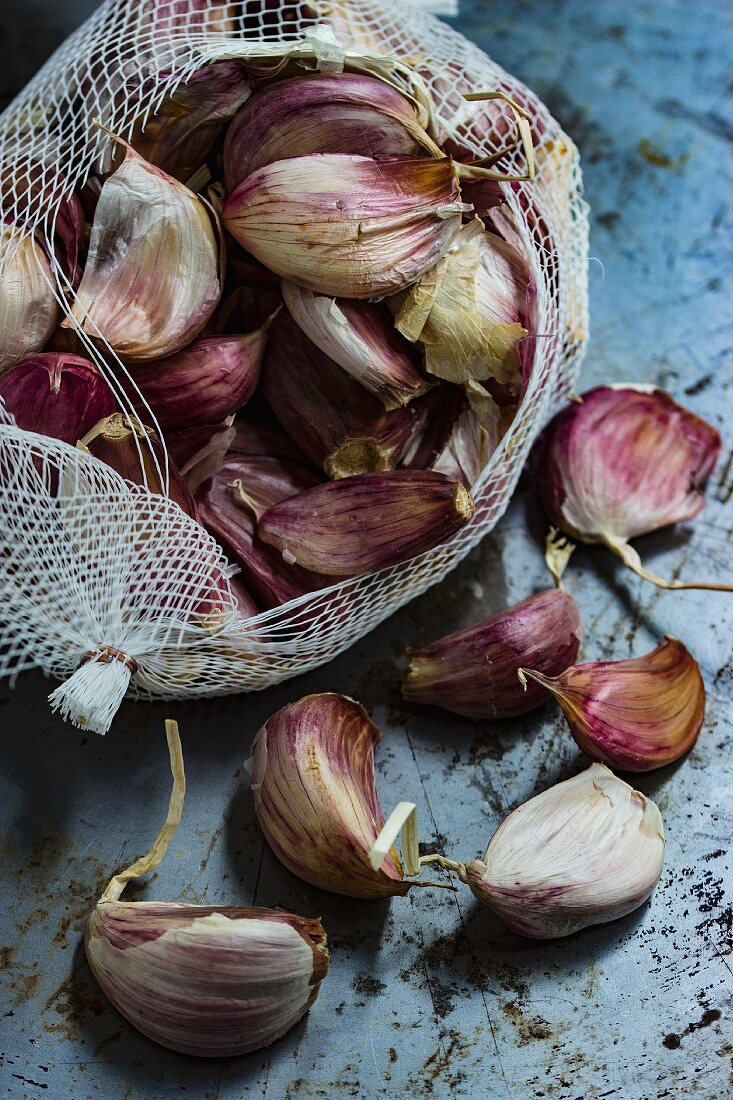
point(90, 560)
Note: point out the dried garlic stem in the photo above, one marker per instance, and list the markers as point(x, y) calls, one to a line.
point(160, 845)
point(558, 551)
point(524, 135)
point(632, 561)
point(447, 864)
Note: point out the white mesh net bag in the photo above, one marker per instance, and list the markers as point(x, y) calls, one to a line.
point(113, 589)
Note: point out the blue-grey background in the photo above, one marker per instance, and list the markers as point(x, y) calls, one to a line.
point(428, 996)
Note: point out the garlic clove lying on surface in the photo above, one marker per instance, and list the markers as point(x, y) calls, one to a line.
point(634, 715)
point(623, 461)
point(347, 226)
point(473, 672)
point(56, 394)
point(586, 851)
point(371, 521)
point(202, 979)
point(316, 800)
point(28, 308)
point(150, 282)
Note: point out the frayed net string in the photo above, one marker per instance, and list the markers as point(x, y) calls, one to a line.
point(91, 696)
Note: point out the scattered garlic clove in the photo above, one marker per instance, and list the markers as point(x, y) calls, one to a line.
point(316, 800)
point(322, 113)
point(584, 852)
point(55, 394)
point(205, 382)
point(27, 305)
point(347, 226)
point(150, 283)
point(360, 336)
point(213, 981)
point(473, 672)
point(634, 715)
point(368, 522)
point(332, 418)
point(623, 461)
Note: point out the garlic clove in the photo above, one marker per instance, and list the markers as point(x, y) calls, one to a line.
point(634, 715)
point(623, 461)
point(322, 113)
point(56, 394)
point(205, 382)
point(332, 418)
point(213, 981)
point(316, 799)
point(347, 226)
point(586, 851)
point(473, 672)
point(368, 522)
point(360, 336)
point(150, 283)
point(469, 447)
point(27, 305)
point(199, 451)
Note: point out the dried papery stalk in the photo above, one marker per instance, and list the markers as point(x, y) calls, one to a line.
point(59, 395)
point(28, 308)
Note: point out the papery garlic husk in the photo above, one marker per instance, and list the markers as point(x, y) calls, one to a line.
point(473, 672)
point(180, 135)
point(584, 852)
point(152, 279)
point(623, 461)
point(322, 113)
point(315, 796)
point(469, 310)
point(469, 448)
point(360, 336)
point(200, 450)
point(206, 382)
point(347, 226)
point(634, 715)
point(358, 524)
point(135, 452)
point(28, 308)
point(54, 394)
point(332, 418)
point(212, 981)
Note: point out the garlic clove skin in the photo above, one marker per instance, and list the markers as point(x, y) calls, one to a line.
point(347, 226)
point(473, 672)
point(634, 715)
point(316, 799)
point(150, 283)
point(205, 980)
point(360, 336)
point(199, 451)
point(359, 524)
point(322, 113)
point(469, 447)
point(584, 852)
point(28, 309)
point(55, 394)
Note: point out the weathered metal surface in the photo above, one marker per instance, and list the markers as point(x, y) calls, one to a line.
point(427, 996)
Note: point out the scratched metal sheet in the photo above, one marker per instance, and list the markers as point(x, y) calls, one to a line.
point(427, 996)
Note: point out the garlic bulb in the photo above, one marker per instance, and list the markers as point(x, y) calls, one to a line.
point(347, 226)
point(634, 715)
point(623, 461)
point(27, 305)
point(212, 981)
point(316, 800)
point(56, 394)
point(151, 281)
point(584, 852)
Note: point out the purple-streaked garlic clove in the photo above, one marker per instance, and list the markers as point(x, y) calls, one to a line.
point(55, 394)
point(469, 310)
point(332, 418)
point(623, 461)
point(316, 800)
point(70, 237)
point(205, 382)
point(322, 113)
point(214, 981)
point(360, 336)
point(28, 308)
point(473, 672)
point(586, 851)
point(634, 715)
point(347, 226)
point(247, 308)
point(359, 524)
point(150, 283)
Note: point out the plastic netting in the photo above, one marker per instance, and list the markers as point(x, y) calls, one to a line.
point(93, 566)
